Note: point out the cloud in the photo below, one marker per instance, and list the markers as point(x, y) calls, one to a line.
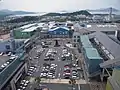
point(57, 5)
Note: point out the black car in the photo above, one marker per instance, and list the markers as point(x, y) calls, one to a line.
point(67, 76)
point(46, 64)
point(46, 58)
point(63, 58)
point(52, 59)
point(45, 46)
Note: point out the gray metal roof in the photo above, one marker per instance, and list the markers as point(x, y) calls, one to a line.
point(110, 63)
point(106, 27)
point(80, 29)
point(108, 43)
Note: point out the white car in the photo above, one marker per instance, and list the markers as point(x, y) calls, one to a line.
point(29, 74)
point(22, 87)
point(9, 53)
point(53, 65)
point(75, 77)
point(52, 68)
point(4, 65)
point(43, 75)
point(1, 53)
point(32, 67)
point(50, 75)
point(7, 62)
point(36, 57)
point(19, 89)
point(24, 84)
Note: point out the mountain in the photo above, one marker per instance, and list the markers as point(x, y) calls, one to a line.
point(9, 12)
point(82, 12)
point(103, 10)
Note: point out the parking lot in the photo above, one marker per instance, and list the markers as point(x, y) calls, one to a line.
point(52, 62)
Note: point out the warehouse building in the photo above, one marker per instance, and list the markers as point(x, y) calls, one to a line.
point(24, 33)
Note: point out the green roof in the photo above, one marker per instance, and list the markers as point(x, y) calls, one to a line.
point(85, 41)
point(92, 53)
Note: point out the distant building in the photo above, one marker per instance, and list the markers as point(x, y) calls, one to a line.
point(98, 18)
point(108, 29)
point(76, 37)
point(25, 32)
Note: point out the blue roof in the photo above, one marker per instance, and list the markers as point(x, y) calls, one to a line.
point(65, 28)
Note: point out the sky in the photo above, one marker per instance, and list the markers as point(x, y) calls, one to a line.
point(57, 5)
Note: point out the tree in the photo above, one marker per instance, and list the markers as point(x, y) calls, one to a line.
point(38, 80)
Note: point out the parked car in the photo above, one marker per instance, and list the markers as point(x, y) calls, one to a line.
point(24, 84)
point(44, 75)
point(1, 53)
point(9, 53)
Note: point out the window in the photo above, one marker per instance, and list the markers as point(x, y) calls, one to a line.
point(78, 40)
point(7, 46)
point(74, 40)
point(74, 36)
point(66, 32)
point(78, 36)
point(55, 32)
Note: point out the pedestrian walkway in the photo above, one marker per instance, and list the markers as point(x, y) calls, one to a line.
point(65, 81)
point(97, 86)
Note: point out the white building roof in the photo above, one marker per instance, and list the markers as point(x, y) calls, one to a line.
point(27, 26)
point(59, 27)
point(30, 29)
point(40, 24)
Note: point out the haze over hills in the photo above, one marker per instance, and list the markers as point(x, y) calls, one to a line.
point(9, 12)
point(103, 10)
point(82, 12)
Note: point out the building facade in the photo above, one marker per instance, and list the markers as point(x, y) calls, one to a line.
point(59, 32)
point(91, 57)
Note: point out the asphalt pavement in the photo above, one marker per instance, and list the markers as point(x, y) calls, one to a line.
point(60, 65)
point(40, 61)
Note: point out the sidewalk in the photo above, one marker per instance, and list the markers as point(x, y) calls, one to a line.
point(65, 81)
